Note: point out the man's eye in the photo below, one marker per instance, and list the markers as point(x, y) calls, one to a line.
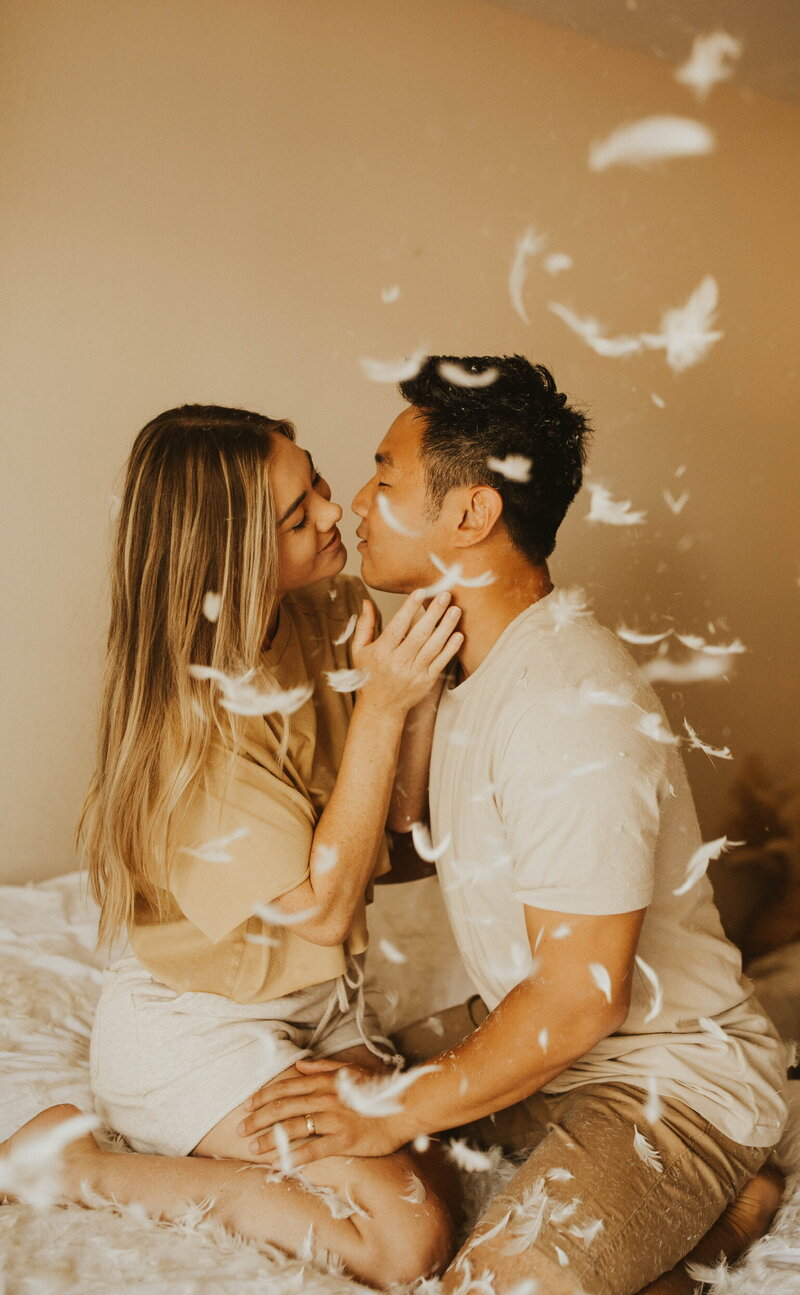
point(385, 484)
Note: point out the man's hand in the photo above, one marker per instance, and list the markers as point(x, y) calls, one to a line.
point(339, 1131)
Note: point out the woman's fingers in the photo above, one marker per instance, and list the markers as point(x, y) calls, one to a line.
point(397, 628)
point(434, 642)
point(446, 655)
point(296, 1130)
point(364, 631)
point(288, 1108)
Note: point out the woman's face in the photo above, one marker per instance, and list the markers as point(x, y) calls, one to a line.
point(309, 544)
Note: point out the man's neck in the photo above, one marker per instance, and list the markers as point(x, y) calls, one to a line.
point(487, 611)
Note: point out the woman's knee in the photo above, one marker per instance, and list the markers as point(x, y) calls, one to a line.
point(407, 1241)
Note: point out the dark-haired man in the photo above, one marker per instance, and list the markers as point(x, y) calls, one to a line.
point(613, 1033)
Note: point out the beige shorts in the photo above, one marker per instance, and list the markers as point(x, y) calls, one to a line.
point(617, 1220)
point(167, 1067)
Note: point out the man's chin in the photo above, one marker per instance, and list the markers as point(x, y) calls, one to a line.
point(385, 583)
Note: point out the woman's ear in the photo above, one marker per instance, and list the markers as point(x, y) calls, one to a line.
point(481, 509)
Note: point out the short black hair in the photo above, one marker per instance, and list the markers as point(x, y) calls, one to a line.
point(521, 413)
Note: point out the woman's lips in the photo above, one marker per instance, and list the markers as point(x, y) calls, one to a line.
point(333, 543)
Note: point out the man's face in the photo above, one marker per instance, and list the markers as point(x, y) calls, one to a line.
point(391, 558)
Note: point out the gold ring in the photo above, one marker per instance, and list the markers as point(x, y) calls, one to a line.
point(310, 1125)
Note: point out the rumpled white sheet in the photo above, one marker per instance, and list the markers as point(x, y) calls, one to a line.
point(49, 982)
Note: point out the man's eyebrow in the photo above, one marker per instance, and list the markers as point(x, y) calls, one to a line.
point(385, 460)
point(298, 501)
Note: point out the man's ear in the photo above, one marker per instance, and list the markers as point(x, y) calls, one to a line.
point(481, 510)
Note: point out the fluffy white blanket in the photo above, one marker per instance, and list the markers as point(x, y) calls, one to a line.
point(49, 982)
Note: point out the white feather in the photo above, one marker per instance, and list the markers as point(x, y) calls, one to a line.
point(242, 698)
point(724, 649)
point(721, 752)
point(530, 244)
point(601, 978)
point(698, 864)
point(263, 939)
point(347, 631)
point(324, 858)
point(657, 1001)
point(652, 1107)
point(453, 576)
point(592, 333)
point(561, 932)
point(557, 261)
point(543, 1039)
point(275, 916)
point(379, 1097)
point(558, 1175)
point(389, 295)
point(31, 1169)
point(565, 606)
point(634, 636)
point(587, 1232)
point(646, 1152)
point(387, 513)
point(212, 604)
point(417, 1191)
point(458, 376)
point(652, 139)
point(685, 332)
point(710, 61)
point(658, 401)
point(663, 669)
point(529, 1217)
point(514, 467)
point(468, 1158)
point(711, 1027)
point(561, 1256)
point(394, 370)
point(675, 506)
point(653, 726)
point(610, 511)
point(391, 953)
point(346, 680)
point(215, 851)
point(420, 835)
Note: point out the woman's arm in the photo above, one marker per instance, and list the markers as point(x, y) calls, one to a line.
point(404, 664)
point(409, 802)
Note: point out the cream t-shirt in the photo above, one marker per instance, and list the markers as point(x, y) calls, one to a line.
point(554, 797)
point(269, 811)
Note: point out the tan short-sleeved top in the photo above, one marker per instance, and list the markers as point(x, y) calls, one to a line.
point(198, 944)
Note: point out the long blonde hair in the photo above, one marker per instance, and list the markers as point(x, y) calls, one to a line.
point(197, 518)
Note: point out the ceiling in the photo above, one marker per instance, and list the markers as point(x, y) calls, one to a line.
point(769, 31)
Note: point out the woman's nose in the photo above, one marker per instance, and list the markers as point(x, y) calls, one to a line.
point(331, 514)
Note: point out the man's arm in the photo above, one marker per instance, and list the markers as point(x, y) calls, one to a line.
point(406, 863)
point(579, 993)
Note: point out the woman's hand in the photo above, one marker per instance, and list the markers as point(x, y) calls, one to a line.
point(339, 1131)
point(404, 662)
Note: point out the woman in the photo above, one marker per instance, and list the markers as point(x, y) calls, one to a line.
point(233, 826)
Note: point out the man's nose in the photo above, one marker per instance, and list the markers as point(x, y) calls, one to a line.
point(359, 502)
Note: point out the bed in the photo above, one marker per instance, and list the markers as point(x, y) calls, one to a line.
point(50, 978)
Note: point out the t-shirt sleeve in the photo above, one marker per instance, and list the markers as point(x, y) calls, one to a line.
point(244, 839)
point(579, 792)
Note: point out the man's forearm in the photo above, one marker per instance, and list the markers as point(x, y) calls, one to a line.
point(529, 1039)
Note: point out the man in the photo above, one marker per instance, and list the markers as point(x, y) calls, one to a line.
point(618, 1038)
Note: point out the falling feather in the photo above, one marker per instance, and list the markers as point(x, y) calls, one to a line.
point(590, 695)
point(711, 1027)
point(601, 978)
point(421, 1143)
point(653, 726)
point(30, 1170)
point(614, 512)
point(275, 916)
point(652, 1107)
point(721, 752)
point(558, 1175)
point(421, 837)
point(475, 1162)
point(663, 669)
point(558, 261)
point(263, 939)
point(240, 697)
point(676, 506)
point(530, 1216)
point(282, 1147)
point(561, 932)
point(529, 245)
point(592, 333)
point(528, 1286)
point(587, 1232)
point(389, 295)
point(377, 1098)
point(212, 604)
point(347, 631)
point(634, 636)
point(324, 858)
point(453, 576)
point(215, 851)
point(724, 649)
point(685, 332)
point(435, 1025)
point(543, 1039)
point(387, 513)
point(514, 467)
point(561, 1256)
point(658, 401)
point(566, 606)
point(346, 680)
point(698, 864)
point(417, 1191)
point(391, 953)
point(652, 139)
point(458, 376)
point(711, 60)
point(646, 1152)
point(657, 1001)
point(394, 370)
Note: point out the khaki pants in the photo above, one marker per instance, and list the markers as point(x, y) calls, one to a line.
point(617, 1220)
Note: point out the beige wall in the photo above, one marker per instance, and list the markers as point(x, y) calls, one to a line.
point(203, 201)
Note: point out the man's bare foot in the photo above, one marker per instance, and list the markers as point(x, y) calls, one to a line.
point(44, 1159)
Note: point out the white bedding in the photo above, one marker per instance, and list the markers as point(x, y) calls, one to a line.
point(49, 982)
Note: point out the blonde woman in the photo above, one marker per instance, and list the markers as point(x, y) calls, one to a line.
point(232, 828)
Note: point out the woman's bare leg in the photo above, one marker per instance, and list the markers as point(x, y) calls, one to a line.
point(397, 1240)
